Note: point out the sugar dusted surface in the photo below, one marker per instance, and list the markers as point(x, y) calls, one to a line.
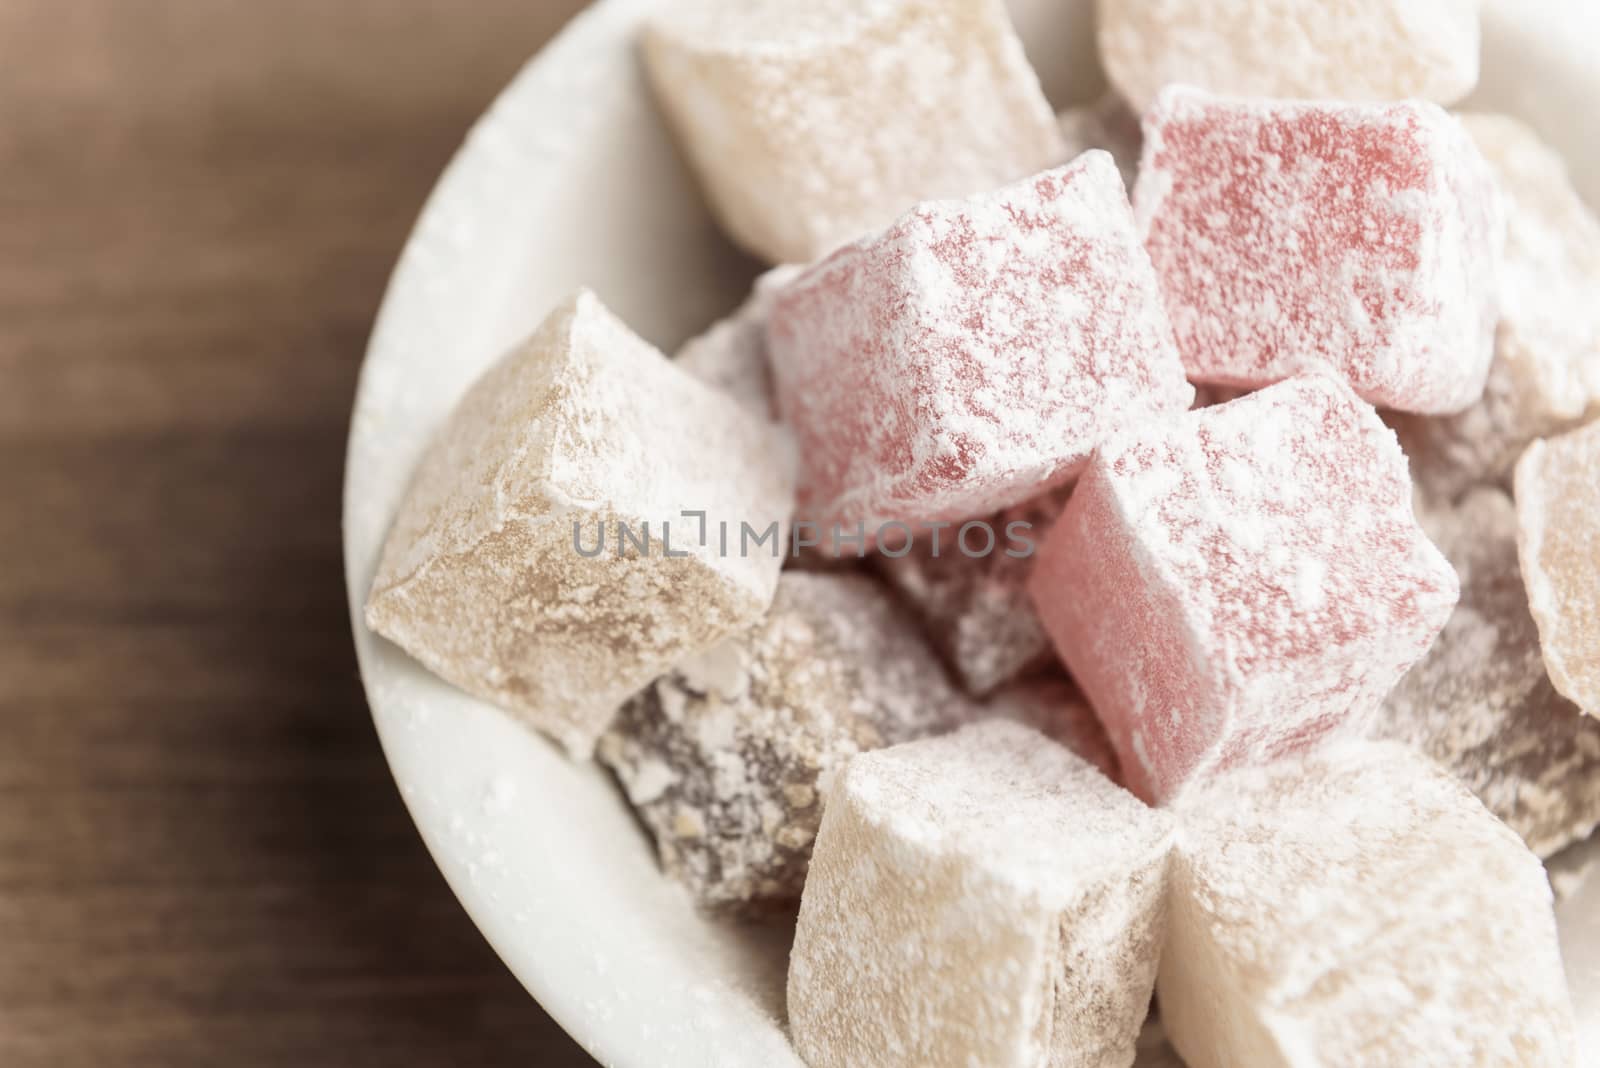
point(1358, 907)
point(1289, 234)
point(1053, 705)
point(732, 354)
point(1558, 546)
point(994, 793)
point(1545, 378)
point(970, 357)
point(585, 423)
point(774, 27)
point(983, 898)
point(1332, 49)
point(1480, 703)
point(1241, 581)
point(727, 758)
point(976, 609)
point(812, 124)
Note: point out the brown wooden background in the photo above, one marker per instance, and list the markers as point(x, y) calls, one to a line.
point(202, 858)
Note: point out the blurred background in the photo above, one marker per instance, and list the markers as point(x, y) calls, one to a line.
point(203, 860)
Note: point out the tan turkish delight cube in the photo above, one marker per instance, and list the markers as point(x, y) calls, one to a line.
point(1358, 906)
point(1328, 49)
point(985, 898)
point(1558, 546)
point(508, 570)
point(812, 124)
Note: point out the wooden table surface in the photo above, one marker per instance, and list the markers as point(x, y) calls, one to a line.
point(202, 858)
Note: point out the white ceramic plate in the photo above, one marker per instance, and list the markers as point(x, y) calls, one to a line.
point(568, 180)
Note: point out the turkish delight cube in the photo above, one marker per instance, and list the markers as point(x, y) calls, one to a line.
point(1558, 547)
point(985, 898)
point(972, 356)
point(1352, 50)
point(1545, 378)
point(1481, 705)
point(727, 758)
point(1293, 234)
point(812, 124)
point(1358, 907)
point(1240, 581)
point(973, 604)
point(521, 565)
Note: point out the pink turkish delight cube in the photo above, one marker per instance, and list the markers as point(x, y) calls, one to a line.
point(1292, 234)
point(1241, 582)
point(972, 356)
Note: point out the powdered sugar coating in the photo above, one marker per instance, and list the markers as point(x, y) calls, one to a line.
point(1241, 581)
point(971, 356)
point(1480, 703)
point(732, 354)
point(727, 758)
point(1358, 907)
point(976, 610)
point(812, 124)
point(1331, 49)
point(983, 898)
point(1545, 377)
point(1289, 234)
point(1558, 548)
point(1053, 705)
point(585, 424)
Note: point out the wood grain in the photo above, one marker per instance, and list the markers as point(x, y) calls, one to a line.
point(202, 858)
